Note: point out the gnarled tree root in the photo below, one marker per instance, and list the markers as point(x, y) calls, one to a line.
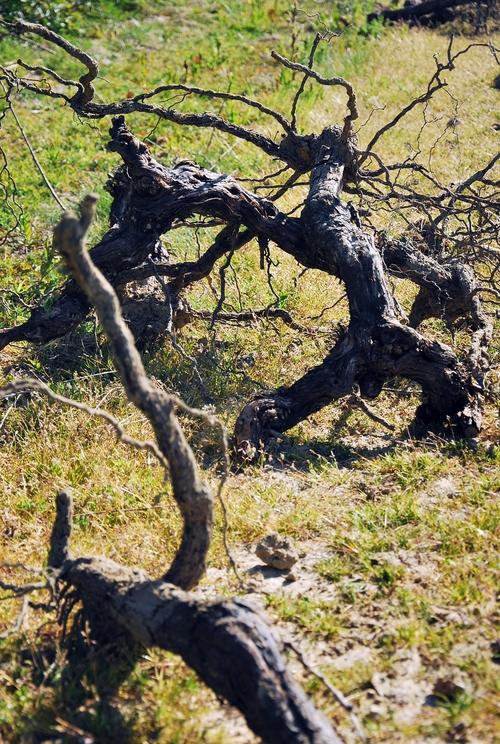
point(449, 402)
point(228, 643)
point(148, 197)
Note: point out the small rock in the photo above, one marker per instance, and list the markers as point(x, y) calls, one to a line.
point(445, 615)
point(495, 651)
point(458, 734)
point(276, 551)
point(290, 577)
point(445, 487)
point(377, 710)
point(448, 689)
point(253, 586)
point(389, 559)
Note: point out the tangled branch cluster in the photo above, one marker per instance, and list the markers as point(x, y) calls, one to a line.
point(446, 246)
point(447, 232)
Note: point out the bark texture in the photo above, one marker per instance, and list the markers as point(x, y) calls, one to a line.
point(376, 345)
point(150, 198)
point(228, 643)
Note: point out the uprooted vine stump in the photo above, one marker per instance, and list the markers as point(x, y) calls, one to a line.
point(435, 12)
point(227, 642)
point(150, 198)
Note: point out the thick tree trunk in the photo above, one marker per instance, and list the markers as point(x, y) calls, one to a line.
point(148, 197)
point(377, 346)
point(448, 291)
point(228, 643)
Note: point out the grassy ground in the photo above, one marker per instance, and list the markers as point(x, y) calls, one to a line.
point(396, 584)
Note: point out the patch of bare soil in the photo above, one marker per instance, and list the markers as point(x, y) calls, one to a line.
point(402, 691)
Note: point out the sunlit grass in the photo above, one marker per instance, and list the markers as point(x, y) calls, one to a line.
point(396, 545)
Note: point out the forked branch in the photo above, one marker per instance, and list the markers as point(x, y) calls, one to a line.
point(228, 643)
point(192, 495)
point(329, 235)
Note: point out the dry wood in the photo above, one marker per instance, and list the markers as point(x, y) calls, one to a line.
point(228, 642)
point(419, 10)
point(150, 198)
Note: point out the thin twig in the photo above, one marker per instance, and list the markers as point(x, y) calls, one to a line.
point(30, 384)
point(32, 152)
point(351, 96)
point(337, 694)
point(300, 90)
point(358, 402)
point(19, 621)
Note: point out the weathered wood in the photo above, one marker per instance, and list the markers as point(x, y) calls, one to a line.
point(325, 237)
point(228, 643)
point(377, 346)
point(449, 291)
point(147, 198)
point(192, 495)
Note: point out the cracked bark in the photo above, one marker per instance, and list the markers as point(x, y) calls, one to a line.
point(227, 642)
point(376, 346)
point(149, 197)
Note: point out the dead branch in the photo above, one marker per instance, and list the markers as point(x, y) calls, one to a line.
point(420, 10)
point(228, 643)
point(336, 693)
point(150, 198)
point(435, 83)
point(251, 316)
point(33, 385)
point(30, 148)
point(357, 402)
point(351, 96)
point(82, 102)
point(191, 494)
point(242, 661)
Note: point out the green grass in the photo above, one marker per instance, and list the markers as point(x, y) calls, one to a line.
point(400, 563)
